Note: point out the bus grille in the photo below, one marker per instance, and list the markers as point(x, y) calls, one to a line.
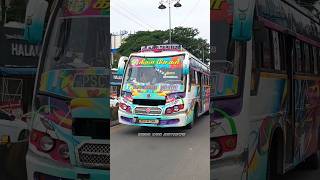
point(94, 155)
point(147, 111)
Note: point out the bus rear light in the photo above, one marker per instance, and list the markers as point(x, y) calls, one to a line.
point(222, 145)
point(57, 149)
point(228, 143)
point(125, 107)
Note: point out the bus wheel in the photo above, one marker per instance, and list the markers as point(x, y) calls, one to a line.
point(195, 115)
point(272, 160)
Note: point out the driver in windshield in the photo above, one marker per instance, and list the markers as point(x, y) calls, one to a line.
point(148, 76)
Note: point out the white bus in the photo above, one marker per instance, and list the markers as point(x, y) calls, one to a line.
point(163, 86)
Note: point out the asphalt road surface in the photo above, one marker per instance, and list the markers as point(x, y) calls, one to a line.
point(144, 157)
point(302, 174)
point(12, 162)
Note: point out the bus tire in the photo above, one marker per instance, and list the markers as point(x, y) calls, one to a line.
point(195, 115)
point(273, 158)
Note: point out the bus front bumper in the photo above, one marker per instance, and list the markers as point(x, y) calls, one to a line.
point(175, 120)
point(43, 168)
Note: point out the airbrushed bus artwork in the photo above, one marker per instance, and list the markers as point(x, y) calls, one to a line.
point(163, 86)
point(70, 128)
point(265, 95)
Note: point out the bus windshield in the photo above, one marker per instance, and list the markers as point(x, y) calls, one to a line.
point(78, 43)
point(225, 67)
point(157, 74)
point(76, 54)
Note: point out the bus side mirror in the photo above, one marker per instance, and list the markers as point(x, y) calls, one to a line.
point(121, 65)
point(34, 21)
point(186, 65)
point(243, 19)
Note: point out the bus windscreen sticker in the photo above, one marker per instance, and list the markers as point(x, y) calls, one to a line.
point(87, 8)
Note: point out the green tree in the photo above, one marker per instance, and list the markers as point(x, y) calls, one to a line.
point(187, 37)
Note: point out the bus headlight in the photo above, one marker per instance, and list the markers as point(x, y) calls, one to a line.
point(174, 109)
point(125, 107)
point(46, 143)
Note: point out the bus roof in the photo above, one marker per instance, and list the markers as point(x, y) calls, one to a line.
point(169, 50)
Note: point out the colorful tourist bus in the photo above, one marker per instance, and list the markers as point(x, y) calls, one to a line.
point(70, 128)
point(265, 96)
point(163, 86)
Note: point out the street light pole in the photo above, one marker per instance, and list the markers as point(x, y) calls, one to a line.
point(170, 35)
point(162, 6)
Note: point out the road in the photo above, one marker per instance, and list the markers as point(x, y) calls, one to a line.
point(302, 174)
point(160, 158)
point(12, 161)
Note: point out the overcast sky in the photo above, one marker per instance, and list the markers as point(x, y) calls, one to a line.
point(135, 15)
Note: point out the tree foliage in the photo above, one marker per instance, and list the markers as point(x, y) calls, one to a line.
point(187, 37)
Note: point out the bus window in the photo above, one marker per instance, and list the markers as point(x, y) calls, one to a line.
point(193, 77)
point(306, 58)
point(267, 61)
point(282, 52)
point(298, 57)
point(198, 77)
point(276, 51)
point(311, 59)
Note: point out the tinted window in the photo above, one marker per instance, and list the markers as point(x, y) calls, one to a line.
point(267, 62)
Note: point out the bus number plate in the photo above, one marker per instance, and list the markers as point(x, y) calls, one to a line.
point(148, 121)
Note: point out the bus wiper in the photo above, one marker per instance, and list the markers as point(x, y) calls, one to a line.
point(65, 31)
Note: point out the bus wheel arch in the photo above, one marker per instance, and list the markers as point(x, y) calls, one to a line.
point(195, 115)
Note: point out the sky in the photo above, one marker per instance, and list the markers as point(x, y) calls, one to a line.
point(143, 15)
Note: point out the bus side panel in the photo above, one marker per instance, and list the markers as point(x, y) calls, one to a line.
point(268, 109)
point(307, 117)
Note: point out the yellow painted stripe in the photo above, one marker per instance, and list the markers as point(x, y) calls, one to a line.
point(273, 75)
point(306, 77)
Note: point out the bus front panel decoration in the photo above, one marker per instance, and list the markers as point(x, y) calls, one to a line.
point(163, 86)
point(70, 128)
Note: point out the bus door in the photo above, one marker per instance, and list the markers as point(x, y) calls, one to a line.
point(289, 55)
point(201, 101)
